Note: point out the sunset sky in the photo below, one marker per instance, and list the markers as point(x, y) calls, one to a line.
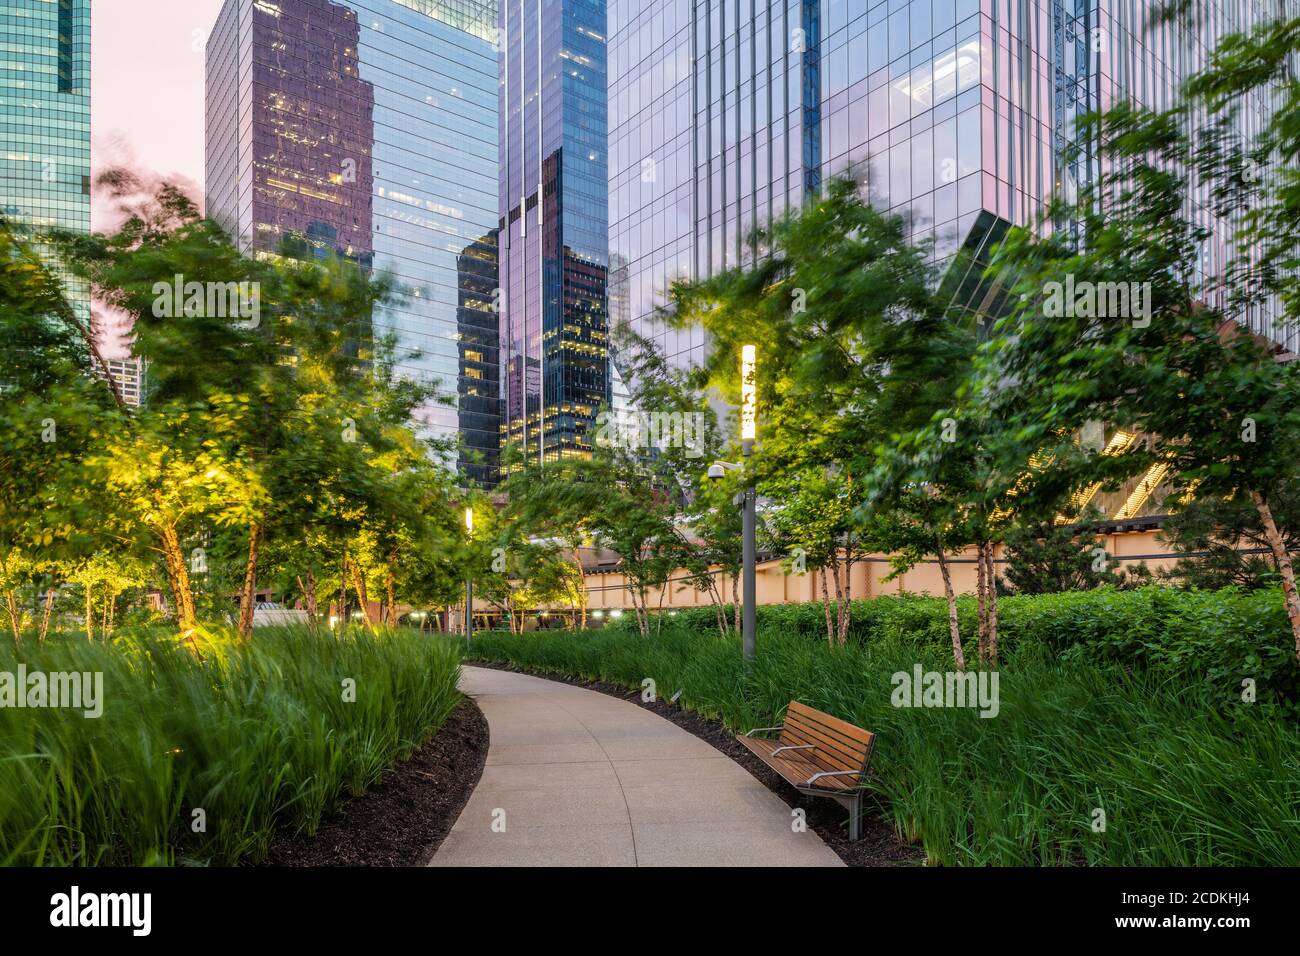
point(147, 87)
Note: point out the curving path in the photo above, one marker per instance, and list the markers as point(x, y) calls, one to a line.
point(583, 779)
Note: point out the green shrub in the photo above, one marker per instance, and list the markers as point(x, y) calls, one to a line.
point(258, 736)
point(1182, 780)
point(1221, 638)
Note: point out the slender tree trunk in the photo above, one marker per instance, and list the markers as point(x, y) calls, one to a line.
point(954, 629)
point(1284, 566)
point(112, 613)
point(179, 576)
point(359, 586)
point(15, 620)
point(735, 600)
point(249, 595)
point(848, 590)
point(343, 589)
point(308, 589)
point(992, 579)
point(90, 612)
point(981, 586)
point(826, 608)
point(45, 617)
point(390, 612)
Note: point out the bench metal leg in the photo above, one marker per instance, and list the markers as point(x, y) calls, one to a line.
point(855, 818)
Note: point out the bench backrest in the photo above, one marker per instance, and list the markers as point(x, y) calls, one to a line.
point(839, 745)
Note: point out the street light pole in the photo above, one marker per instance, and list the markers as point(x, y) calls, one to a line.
point(749, 558)
point(749, 549)
point(469, 581)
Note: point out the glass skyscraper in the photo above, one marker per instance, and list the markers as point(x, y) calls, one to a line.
point(45, 120)
point(725, 113)
point(368, 129)
point(553, 225)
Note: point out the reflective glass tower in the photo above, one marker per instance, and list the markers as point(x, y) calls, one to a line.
point(553, 227)
point(958, 113)
point(368, 129)
point(45, 119)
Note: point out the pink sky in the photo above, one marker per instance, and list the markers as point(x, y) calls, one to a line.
point(146, 106)
point(147, 88)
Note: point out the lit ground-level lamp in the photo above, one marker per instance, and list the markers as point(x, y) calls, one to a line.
point(749, 523)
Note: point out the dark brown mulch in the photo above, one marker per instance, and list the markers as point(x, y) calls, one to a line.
point(402, 819)
point(878, 844)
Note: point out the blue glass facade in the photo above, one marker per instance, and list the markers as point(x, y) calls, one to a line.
point(369, 128)
point(724, 113)
point(45, 119)
point(553, 224)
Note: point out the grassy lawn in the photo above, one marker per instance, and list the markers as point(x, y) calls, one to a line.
point(257, 736)
point(1184, 774)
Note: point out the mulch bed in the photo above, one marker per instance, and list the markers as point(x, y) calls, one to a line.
point(879, 844)
point(402, 819)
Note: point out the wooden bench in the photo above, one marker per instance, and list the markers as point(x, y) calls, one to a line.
point(819, 755)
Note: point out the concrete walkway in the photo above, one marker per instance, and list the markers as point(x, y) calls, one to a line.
point(579, 778)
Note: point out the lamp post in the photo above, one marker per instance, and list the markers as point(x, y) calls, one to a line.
point(469, 581)
point(749, 518)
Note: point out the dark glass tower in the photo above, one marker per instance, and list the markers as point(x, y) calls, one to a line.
point(553, 225)
point(368, 128)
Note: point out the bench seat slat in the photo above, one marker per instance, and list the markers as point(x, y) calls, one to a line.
point(794, 769)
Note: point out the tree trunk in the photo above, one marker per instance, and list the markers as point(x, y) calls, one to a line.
point(980, 591)
point(308, 589)
point(90, 611)
point(15, 622)
point(249, 595)
point(735, 599)
point(1284, 566)
point(826, 607)
point(992, 577)
point(179, 577)
point(359, 586)
point(343, 590)
point(841, 603)
point(391, 610)
point(954, 630)
point(846, 613)
point(45, 618)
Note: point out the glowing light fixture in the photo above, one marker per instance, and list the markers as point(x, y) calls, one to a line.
point(748, 393)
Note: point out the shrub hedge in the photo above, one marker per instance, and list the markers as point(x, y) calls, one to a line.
point(1221, 638)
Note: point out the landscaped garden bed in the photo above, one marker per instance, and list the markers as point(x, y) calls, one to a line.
point(1087, 761)
point(216, 751)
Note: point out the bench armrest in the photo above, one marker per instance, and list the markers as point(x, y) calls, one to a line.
point(759, 730)
point(789, 747)
point(829, 773)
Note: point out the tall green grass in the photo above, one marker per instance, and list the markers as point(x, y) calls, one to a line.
point(1183, 775)
point(258, 736)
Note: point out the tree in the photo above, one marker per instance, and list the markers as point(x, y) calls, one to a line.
point(853, 345)
point(1220, 415)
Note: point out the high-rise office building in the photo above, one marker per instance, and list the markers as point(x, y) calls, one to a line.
point(553, 227)
point(368, 129)
point(725, 113)
point(45, 121)
point(127, 376)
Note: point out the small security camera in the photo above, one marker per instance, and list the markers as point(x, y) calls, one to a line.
point(716, 472)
